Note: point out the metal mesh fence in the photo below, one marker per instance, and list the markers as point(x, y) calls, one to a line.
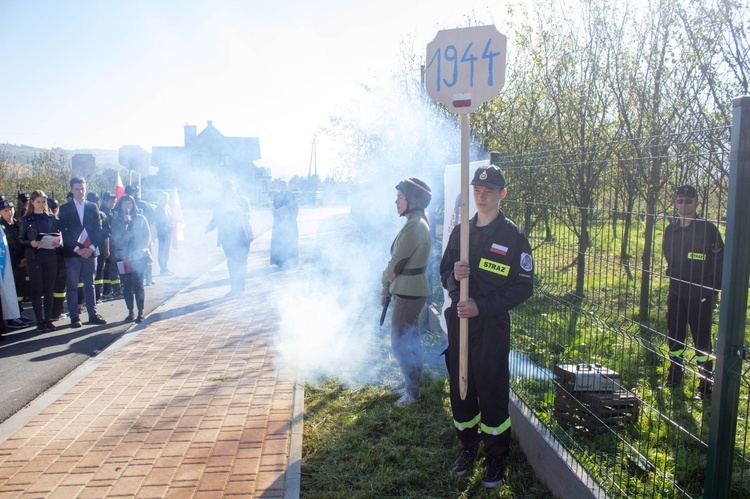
point(591, 349)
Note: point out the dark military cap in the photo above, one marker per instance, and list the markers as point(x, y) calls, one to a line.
point(489, 176)
point(686, 191)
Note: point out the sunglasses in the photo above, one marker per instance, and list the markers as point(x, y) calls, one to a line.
point(684, 201)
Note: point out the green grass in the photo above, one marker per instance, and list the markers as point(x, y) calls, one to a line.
point(357, 443)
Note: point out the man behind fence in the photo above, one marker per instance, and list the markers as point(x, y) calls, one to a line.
point(694, 252)
point(501, 269)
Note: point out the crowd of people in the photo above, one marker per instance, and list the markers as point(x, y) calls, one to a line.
point(88, 249)
point(81, 252)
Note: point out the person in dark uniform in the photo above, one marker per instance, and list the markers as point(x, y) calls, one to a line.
point(111, 287)
point(235, 235)
point(103, 253)
point(284, 233)
point(694, 251)
point(500, 271)
point(58, 300)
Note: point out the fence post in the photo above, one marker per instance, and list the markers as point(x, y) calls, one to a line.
point(733, 311)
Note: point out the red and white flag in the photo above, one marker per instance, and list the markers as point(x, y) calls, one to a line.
point(84, 239)
point(119, 188)
point(500, 250)
point(123, 267)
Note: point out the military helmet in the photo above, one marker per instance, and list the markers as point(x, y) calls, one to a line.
point(417, 192)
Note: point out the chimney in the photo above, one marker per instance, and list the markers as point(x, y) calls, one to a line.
point(190, 131)
point(210, 124)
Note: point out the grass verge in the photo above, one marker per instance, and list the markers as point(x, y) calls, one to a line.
point(357, 443)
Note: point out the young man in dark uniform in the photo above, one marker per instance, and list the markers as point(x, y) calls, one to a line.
point(111, 288)
point(101, 258)
point(694, 251)
point(500, 271)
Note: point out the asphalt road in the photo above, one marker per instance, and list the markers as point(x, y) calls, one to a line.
point(31, 363)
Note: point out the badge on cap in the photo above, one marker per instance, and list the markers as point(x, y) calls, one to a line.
point(483, 175)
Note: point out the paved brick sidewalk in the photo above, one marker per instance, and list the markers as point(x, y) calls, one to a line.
point(187, 404)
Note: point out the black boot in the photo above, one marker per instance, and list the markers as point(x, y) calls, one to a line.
point(674, 376)
point(705, 380)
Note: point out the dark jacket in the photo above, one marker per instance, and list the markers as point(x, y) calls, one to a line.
point(70, 226)
point(694, 254)
point(28, 233)
point(500, 263)
point(15, 248)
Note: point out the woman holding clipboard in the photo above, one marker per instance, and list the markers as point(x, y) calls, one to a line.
point(40, 236)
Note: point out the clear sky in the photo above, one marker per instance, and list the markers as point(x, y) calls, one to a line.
point(101, 74)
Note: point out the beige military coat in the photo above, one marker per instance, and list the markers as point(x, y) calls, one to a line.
point(406, 273)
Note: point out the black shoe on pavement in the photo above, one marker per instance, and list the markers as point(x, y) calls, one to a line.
point(130, 317)
point(41, 327)
point(461, 465)
point(75, 322)
point(97, 319)
point(26, 320)
point(139, 319)
point(16, 324)
point(49, 326)
point(495, 472)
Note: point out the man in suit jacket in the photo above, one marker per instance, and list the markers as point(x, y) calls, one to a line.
point(81, 236)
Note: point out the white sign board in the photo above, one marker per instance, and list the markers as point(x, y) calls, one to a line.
point(465, 67)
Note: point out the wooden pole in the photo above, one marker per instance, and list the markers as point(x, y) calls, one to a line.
point(463, 361)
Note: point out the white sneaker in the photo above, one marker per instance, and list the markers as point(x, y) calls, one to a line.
point(405, 400)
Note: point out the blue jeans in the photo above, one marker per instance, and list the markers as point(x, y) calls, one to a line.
point(77, 270)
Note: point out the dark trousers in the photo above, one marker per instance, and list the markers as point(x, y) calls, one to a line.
point(690, 309)
point(59, 289)
point(483, 414)
point(82, 270)
point(237, 265)
point(42, 270)
point(132, 287)
point(99, 276)
point(111, 276)
point(406, 340)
